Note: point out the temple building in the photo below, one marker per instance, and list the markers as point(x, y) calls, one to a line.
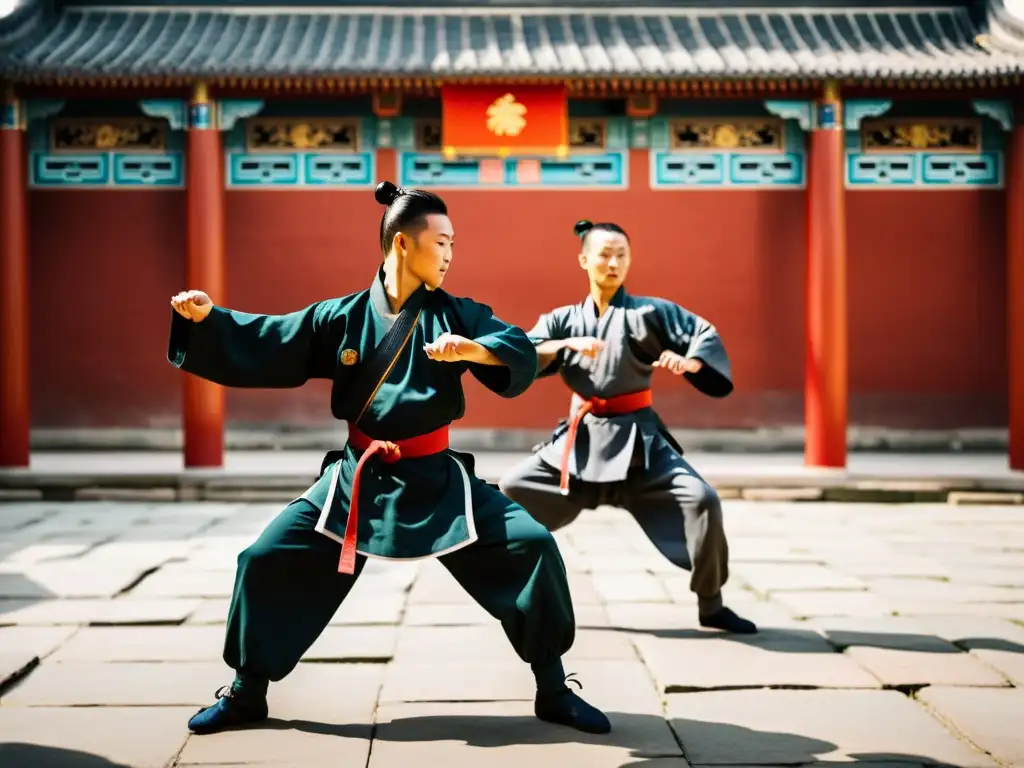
point(838, 187)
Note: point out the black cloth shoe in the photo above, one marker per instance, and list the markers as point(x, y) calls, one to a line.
point(726, 620)
point(566, 708)
point(231, 710)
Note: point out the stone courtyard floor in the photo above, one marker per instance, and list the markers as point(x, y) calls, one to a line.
point(891, 635)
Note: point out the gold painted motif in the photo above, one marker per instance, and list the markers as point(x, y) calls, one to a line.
point(97, 134)
point(349, 357)
point(276, 134)
point(428, 135)
point(506, 116)
point(920, 134)
point(746, 134)
point(587, 133)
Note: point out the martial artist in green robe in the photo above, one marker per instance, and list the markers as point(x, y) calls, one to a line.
point(618, 451)
point(289, 582)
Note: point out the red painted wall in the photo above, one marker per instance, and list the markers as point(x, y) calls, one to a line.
point(926, 274)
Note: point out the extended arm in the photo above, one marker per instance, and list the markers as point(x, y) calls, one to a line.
point(238, 349)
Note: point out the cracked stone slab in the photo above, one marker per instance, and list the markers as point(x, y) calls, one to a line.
point(80, 684)
point(733, 728)
point(123, 610)
point(1008, 663)
point(320, 715)
point(729, 663)
point(894, 632)
point(52, 737)
point(14, 665)
point(507, 735)
point(988, 717)
point(142, 644)
point(898, 668)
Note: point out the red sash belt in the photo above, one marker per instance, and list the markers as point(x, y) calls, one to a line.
point(599, 406)
point(390, 452)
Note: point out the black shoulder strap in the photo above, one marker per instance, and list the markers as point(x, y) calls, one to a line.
point(376, 367)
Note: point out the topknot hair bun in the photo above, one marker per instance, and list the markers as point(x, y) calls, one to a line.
point(386, 193)
point(582, 227)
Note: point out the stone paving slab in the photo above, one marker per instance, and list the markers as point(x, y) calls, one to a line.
point(796, 727)
point(371, 609)
point(728, 664)
point(210, 611)
point(990, 718)
point(38, 641)
point(1010, 664)
point(95, 611)
point(816, 604)
point(768, 578)
point(507, 735)
point(76, 579)
point(185, 581)
point(911, 669)
point(142, 644)
point(83, 684)
point(354, 643)
point(92, 737)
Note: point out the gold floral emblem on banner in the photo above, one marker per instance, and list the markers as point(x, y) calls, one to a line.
point(920, 134)
point(283, 134)
point(748, 134)
point(127, 134)
point(506, 116)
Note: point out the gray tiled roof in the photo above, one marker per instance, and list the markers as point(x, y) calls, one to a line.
point(932, 42)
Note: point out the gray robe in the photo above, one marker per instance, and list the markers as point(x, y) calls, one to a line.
point(636, 330)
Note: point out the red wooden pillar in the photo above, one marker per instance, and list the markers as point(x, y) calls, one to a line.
point(1015, 286)
point(204, 401)
point(14, 290)
point(825, 388)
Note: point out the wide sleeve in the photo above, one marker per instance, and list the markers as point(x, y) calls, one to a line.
point(692, 336)
point(506, 342)
point(550, 326)
point(237, 349)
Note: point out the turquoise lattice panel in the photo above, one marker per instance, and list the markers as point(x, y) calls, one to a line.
point(924, 170)
point(709, 170)
point(69, 170)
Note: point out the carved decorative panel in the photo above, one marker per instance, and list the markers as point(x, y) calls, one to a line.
point(956, 135)
point(279, 134)
point(587, 133)
point(132, 134)
point(742, 134)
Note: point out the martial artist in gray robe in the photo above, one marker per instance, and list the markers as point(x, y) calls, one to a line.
point(630, 460)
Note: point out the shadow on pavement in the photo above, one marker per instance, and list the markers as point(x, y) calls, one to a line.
point(20, 755)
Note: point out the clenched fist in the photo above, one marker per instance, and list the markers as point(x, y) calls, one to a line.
point(676, 363)
point(192, 305)
point(588, 346)
point(449, 348)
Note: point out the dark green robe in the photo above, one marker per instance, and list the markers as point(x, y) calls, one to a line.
point(414, 508)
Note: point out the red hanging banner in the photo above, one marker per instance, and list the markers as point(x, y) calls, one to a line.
point(504, 120)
